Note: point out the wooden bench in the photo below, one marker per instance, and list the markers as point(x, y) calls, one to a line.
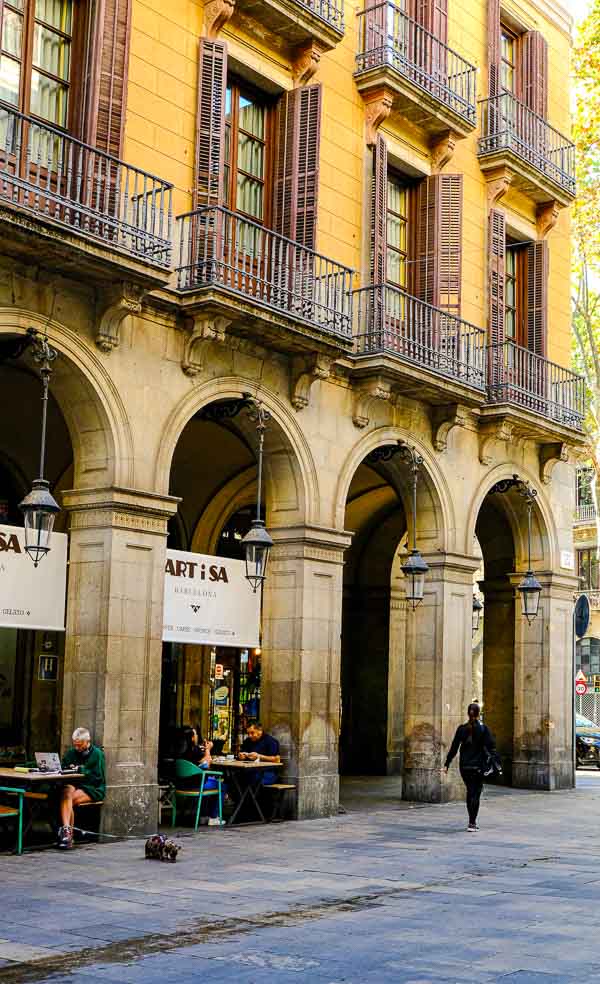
point(95, 831)
point(280, 790)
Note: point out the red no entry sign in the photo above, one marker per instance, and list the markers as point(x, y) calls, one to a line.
point(580, 689)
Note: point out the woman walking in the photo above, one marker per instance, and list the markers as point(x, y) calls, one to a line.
point(478, 756)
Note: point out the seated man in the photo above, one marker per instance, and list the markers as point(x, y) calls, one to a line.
point(90, 760)
point(261, 747)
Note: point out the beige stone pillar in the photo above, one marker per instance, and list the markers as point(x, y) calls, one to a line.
point(438, 677)
point(499, 666)
point(543, 742)
point(395, 683)
point(300, 698)
point(113, 642)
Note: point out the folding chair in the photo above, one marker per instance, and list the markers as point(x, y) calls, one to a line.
point(185, 770)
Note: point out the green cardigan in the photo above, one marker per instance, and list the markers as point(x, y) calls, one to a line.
point(92, 765)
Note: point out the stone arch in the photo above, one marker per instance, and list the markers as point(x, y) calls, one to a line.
point(89, 402)
point(239, 492)
point(290, 472)
point(435, 510)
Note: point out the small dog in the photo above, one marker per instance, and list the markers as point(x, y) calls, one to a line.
point(160, 848)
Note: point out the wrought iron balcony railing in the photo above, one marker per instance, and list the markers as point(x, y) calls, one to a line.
point(508, 124)
point(45, 171)
point(594, 597)
point(219, 248)
point(330, 11)
point(389, 320)
point(585, 513)
point(389, 37)
point(517, 375)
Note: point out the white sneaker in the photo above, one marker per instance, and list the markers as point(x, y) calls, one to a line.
point(215, 822)
point(472, 828)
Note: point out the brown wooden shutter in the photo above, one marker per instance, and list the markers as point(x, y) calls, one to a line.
point(493, 45)
point(111, 53)
point(537, 297)
point(496, 289)
point(534, 72)
point(297, 165)
point(439, 241)
point(379, 212)
point(433, 16)
point(210, 123)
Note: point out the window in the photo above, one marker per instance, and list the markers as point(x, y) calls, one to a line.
point(37, 57)
point(509, 43)
point(515, 313)
point(587, 569)
point(584, 487)
point(248, 127)
point(397, 232)
point(588, 655)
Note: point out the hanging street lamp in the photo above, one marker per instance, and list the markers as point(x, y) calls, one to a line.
point(530, 588)
point(414, 568)
point(257, 543)
point(39, 508)
point(476, 615)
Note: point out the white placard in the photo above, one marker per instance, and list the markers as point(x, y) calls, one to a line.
point(208, 601)
point(567, 560)
point(32, 597)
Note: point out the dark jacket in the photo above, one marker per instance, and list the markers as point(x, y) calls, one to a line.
point(473, 744)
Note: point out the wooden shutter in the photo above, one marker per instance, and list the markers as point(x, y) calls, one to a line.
point(379, 212)
point(537, 297)
point(433, 16)
point(110, 52)
point(534, 72)
point(210, 124)
point(439, 241)
point(493, 45)
point(297, 165)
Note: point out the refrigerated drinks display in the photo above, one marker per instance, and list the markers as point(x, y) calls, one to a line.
point(234, 696)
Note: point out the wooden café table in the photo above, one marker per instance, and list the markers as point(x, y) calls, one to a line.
point(246, 779)
point(32, 783)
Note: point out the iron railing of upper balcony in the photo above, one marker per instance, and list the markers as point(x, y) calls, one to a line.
point(517, 375)
point(219, 248)
point(49, 173)
point(594, 597)
point(330, 11)
point(389, 37)
point(585, 513)
point(389, 320)
point(508, 124)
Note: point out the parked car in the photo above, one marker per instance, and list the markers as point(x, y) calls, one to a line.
point(587, 742)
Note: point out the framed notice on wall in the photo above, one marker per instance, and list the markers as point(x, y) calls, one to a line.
point(32, 597)
point(209, 601)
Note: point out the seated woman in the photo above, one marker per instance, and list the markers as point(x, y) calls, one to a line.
point(196, 750)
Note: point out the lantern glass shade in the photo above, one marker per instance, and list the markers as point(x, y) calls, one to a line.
point(257, 546)
point(39, 510)
point(477, 610)
point(530, 590)
point(414, 570)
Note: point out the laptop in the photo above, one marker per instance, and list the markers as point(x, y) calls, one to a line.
point(48, 761)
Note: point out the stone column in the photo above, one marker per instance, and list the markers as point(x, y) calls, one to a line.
point(395, 689)
point(300, 699)
point(438, 677)
point(113, 642)
point(499, 666)
point(543, 740)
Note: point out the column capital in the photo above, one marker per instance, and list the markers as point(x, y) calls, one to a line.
point(310, 542)
point(130, 509)
point(551, 581)
point(452, 563)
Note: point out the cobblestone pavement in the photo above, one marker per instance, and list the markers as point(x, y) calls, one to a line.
point(385, 892)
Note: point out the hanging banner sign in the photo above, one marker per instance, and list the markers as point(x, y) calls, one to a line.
point(208, 601)
point(32, 597)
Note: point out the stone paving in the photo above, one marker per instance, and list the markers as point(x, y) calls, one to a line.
point(385, 892)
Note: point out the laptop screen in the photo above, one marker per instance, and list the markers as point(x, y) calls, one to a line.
point(48, 761)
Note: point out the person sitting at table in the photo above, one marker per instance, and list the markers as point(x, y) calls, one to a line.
point(88, 759)
point(261, 747)
point(197, 750)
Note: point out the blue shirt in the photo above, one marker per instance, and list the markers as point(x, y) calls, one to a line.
point(265, 745)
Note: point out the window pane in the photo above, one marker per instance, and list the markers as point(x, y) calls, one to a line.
point(228, 144)
point(226, 180)
point(48, 99)
point(396, 268)
point(395, 231)
point(509, 324)
point(10, 72)
point(510, 293)
point(51, 52)
point(396, 198)
point(12, 32)
point(17, 4)
point(251, 156)
point(252, 117)
point(228, 97)
point(57, 13)
point(510, 262)
point(249, 196)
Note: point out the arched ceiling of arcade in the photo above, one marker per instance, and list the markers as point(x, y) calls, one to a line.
point(375, 515)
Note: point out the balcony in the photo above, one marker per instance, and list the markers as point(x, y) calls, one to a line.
point(431, 85)
point(267, 286)
point(520, 378)
point(539, 160)
point(296, 22)
point(433, 355)
point(585, 512)
point(68, 203)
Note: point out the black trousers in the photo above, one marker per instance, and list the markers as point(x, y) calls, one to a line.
point(473, 780)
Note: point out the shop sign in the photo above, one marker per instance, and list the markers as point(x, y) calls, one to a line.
point(208, 601)
point(32, 597)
